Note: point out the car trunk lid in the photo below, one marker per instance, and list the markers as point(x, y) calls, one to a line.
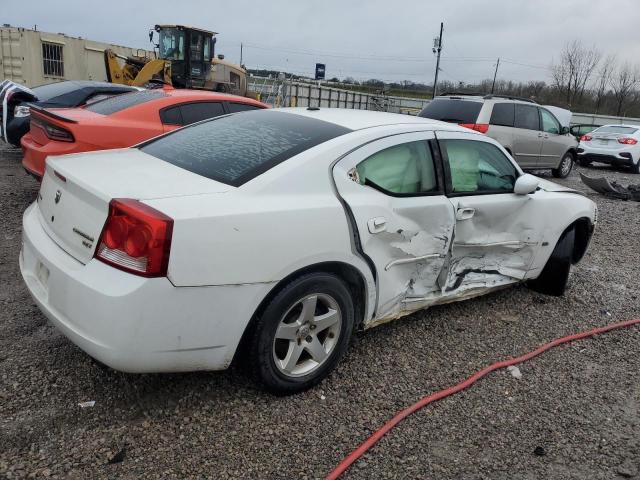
point(76, 190)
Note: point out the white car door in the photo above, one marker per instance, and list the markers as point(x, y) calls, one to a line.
point(497, 232)
point(394, 190)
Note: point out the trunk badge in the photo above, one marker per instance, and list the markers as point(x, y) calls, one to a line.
point(58, 195)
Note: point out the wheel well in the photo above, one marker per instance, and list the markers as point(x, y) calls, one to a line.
point(583, 229)
point(348, 273)
point(573, 152)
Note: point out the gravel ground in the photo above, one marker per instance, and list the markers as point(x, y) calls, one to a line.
point(578, 403)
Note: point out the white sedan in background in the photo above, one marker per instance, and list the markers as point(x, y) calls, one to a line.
point(617, 145)
point(286, 230)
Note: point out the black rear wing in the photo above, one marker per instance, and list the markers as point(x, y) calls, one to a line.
point(50, 114)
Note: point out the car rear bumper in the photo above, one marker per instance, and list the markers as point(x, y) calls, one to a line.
point(626, 155)
point(131, 323)
point(35, 154)
point(610, 158)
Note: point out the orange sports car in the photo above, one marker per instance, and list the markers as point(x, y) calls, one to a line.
point(121, 121)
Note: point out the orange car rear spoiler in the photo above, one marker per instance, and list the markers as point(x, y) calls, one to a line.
point(49, 113)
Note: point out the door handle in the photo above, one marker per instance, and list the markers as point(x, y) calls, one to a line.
point(465, 213)
point(377, 224)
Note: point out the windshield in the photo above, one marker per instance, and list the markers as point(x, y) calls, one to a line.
point(236, 148)
point(452, 110)
point(171, 44)
point(615, 129)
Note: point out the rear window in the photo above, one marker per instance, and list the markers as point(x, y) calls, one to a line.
point(237, 148)
point(614, 129)
point(52, 90)
point(116, 104)
point(241, 107)
point(452, 110)
point(503, 114)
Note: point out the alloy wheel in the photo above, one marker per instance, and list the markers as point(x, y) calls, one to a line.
point(307, 335)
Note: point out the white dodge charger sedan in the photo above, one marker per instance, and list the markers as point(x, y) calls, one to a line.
point(282, 231)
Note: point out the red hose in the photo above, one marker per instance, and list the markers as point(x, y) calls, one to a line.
point(373, 439)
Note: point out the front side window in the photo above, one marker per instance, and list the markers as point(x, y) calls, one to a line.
point(478, 167)
point(503, 114)
point(527, 117)
point(171, 43)
point(406, 169)
point(549, 122)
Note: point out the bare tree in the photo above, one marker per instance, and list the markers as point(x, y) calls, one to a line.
point(623, 85)
point(603, 79)
point(571, 75)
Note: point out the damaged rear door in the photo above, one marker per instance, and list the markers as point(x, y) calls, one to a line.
point(497, 232)
point(394, 190)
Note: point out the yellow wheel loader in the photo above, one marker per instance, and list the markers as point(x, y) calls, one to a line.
point(185, 59)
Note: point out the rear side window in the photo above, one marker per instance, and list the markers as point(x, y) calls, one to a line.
point(405, 169)
point(116, 104)
point(503, 114)
point(237, 148)
point(241, 107)
point(171, 116)
point(478, 167)
point(452, 110)
point(527, 117)
point(195, 112)
point(614, 129)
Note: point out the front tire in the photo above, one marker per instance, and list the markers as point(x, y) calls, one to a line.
point(564, 169)
point(555, 275)
point(302, 333)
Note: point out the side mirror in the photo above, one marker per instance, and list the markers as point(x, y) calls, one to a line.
point(525, 184)
point(564, 130)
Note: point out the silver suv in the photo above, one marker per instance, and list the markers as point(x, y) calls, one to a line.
point(531, 133)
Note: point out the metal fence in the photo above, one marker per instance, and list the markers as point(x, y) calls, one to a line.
point(290, 93)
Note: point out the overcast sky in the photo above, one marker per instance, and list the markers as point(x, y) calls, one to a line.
point(388, 40)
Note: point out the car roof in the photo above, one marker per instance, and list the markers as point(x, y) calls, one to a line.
point(360, 119)
point(627, 125)
point(486, 98)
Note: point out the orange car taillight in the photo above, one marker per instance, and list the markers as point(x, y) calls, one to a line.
point(53, 132)
point(136, 238)
point(478, 127)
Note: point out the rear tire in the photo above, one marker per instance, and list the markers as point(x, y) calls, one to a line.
point(635, 168)
point(302, 333)
point(555, 275)
point(565, 166)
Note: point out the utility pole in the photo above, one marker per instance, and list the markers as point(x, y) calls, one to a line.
point(437, 47)
point(495, 74)
point(240, 53)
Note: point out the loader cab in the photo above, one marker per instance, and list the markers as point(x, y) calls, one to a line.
point(189, 50)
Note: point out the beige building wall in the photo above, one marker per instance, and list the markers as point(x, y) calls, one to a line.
point(24, 60)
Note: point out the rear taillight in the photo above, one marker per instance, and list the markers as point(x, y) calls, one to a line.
point(53, 132)
point(627, 141)
point(136, 238)
point(478, 127)
point(586, 138)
